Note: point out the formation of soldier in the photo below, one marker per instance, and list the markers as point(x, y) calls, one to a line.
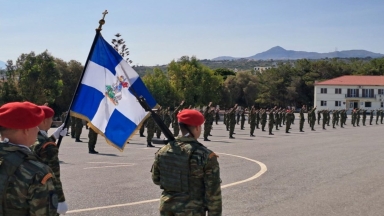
point(273, 118)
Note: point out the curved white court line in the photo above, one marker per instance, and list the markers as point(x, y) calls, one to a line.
point(263, 169)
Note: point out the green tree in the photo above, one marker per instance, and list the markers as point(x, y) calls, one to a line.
point(195, 83)
point(161, 89)
point(39, 79)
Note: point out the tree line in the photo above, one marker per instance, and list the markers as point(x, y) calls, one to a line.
point(44, 78)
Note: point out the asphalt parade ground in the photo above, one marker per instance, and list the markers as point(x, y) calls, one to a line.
point(323, 172)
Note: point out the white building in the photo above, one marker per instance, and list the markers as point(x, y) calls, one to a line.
point(349, 92)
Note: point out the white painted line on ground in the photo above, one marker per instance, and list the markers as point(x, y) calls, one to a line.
point(263, 169)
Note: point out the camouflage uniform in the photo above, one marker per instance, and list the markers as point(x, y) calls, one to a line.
point(289, 120)
point(252, 121)
point(263, 120)
point(189, 175)
point(242, 121)
point(78, 128)
point(31, 190)
point(271, 121)
point(151, 127)
point(73, 126)
point(371, 117)
point(45, 147)
point(207, 124)
point(167, 118)
point(232, 122)
point(175, 124)
point(302, 119)
point(217, 116)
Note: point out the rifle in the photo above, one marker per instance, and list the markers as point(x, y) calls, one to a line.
point(167, 133)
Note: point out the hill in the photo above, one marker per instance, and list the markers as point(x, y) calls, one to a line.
point(279, 53)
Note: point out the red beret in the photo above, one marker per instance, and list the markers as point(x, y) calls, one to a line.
point(20, 115)
point(47, 111)
point(190, 117)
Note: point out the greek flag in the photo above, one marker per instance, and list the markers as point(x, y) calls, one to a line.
point(104, 97)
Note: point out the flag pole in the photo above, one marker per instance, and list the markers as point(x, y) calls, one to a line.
point(98, 30)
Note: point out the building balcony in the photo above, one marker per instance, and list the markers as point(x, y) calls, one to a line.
point(360, 96)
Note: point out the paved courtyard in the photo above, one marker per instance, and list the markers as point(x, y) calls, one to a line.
point(323, 172)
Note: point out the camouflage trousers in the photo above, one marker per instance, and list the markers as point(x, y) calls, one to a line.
point(207, 130)
point(158, 132)
point(142, 129)
point(253, 125)
point(150, 134)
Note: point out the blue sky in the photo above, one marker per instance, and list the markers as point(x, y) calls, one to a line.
point(158, 31)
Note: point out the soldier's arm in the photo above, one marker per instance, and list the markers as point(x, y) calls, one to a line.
point(42, 196)
point(213, 200)
point(155, 171)
point(52, 156)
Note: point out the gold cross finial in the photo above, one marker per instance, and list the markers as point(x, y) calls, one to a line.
point(102, 21)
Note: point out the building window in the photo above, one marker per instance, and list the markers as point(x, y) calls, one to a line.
point(323, 103)
point(382, 104)
point(368, 104)
point(337, 90)
point(323, 90)
point(337, 103)
point(381, 91)
point(352, 92)
point(368, 93)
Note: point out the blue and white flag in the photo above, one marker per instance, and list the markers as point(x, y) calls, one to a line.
point(104, 98)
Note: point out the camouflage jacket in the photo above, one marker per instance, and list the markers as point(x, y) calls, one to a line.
point(45, 148)
point(30, 190)
point(204, 191)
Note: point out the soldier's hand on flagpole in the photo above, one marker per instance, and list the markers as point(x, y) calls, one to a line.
point(58, 132)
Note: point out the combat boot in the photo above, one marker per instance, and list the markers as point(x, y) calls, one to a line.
point(149, 144)
point(78, 140)
point(142, 135)
point(206, 139)
point(231, 137)
point(252, 135)
point(92, 151)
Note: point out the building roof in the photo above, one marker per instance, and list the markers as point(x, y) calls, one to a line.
point(355, 80)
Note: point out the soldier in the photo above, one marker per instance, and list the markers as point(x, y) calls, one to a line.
point(217, 115)
point(263, 119)
point(151, 127)
point(45, 147)
point(371, 117)
point(318, 117)
point(312, 117)
point(232, 121)
point(277, 118)
point(271, 120)
point(289, 120)
point(207, 123)
point(354, 117)
point(78, 129)
point(225, 117)
point(73, 126)
point(252, 121)
point(92, 135)
point(242, 119)
point(325, 118)
point(358, 117)
point(302, 119)
point(158, 130)
point(238, 116)
point(26, 184)
point(381, 116)
point(377, 116)
point(342, 118)
point(258, 118)
point(283, 117)
point(328, 117)
point(174, 119)
point(334, 118)
point(167, 117)
point(188, 172)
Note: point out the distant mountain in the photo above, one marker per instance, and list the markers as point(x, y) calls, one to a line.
point(279, 53)
point(2, 65)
